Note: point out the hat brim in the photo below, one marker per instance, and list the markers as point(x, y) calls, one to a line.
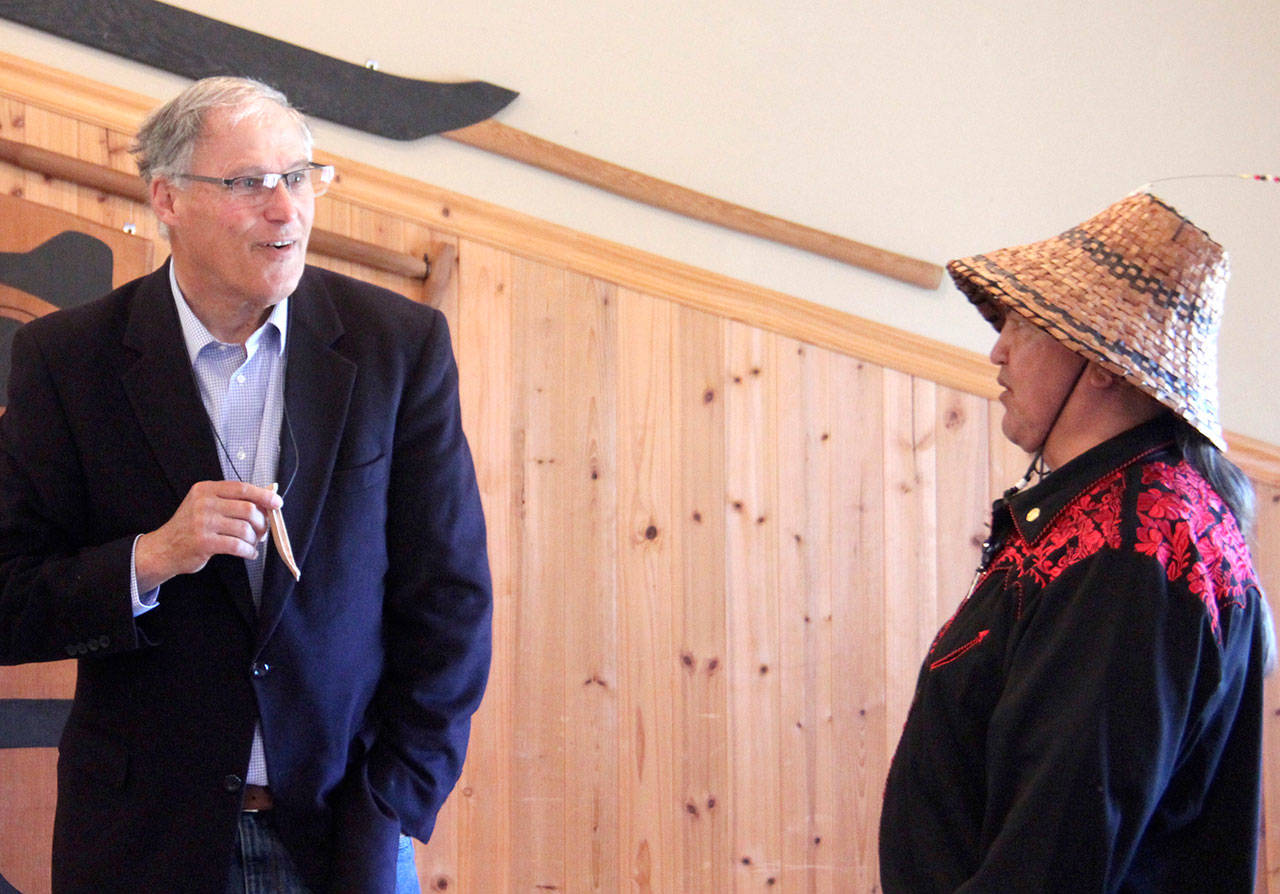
point(1137, 290)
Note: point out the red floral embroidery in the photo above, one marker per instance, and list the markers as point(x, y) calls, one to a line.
point(1088, 524)
point(1181, 522)
point(1186, 527)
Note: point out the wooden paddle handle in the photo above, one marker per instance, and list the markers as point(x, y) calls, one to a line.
point(493, 136)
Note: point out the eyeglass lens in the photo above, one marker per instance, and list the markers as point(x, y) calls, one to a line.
point(312, 180)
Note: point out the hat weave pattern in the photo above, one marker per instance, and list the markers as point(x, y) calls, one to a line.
point(1137, 289)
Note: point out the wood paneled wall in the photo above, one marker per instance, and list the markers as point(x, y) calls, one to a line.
point(724, 526)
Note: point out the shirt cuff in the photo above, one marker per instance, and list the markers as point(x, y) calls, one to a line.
point(142, 602)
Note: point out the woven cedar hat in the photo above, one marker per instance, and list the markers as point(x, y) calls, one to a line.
point(1137, 289)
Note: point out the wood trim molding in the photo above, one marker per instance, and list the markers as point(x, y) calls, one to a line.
point(1259, 460)
point(473, 219)
point(71, 94)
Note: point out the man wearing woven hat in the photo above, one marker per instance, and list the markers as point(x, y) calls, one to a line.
point(1090, 718)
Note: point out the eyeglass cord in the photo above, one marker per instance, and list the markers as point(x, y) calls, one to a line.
point(288, 427)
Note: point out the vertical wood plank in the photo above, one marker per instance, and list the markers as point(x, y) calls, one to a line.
point(752, 559)
point(13, 122)
point(26, 818)
point(541, 614)
point(95, 144)
point(864, 586)
point(910, 547)
point(486, 847)
point(333, 214)
point(649, 594)
point(810, 774)
point(59, 134)
point(368, 225)
point(12, 118)
point(702, 745)
point(588, 506)
point(963, 506)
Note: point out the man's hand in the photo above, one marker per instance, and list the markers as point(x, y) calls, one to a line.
point(227, 517)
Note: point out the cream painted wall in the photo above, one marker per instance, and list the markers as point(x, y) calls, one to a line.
point(930, 128)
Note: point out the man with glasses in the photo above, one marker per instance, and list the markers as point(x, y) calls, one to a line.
point(237, 490)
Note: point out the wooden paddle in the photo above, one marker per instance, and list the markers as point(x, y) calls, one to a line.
point(498, 138)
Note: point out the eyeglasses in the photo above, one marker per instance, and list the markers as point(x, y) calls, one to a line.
point(312, 180)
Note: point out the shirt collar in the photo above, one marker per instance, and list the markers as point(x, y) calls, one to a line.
point(1032, 510)
point(197, 336)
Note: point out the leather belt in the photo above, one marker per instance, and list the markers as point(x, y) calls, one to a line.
point(256, 798)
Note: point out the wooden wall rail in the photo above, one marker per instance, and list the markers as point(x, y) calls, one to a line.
point(724, 526)
point(494, 136)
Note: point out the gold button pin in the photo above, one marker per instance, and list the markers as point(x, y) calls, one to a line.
point(1033, 514)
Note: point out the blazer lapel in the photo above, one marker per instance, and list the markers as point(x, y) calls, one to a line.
point(166, 400)
point(317, 392)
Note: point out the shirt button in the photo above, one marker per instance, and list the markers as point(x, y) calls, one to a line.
point(240, 379)
point(260, 669)
point(232, 783)
point(241, 455)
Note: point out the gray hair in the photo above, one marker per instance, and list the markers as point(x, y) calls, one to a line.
point(168, 137)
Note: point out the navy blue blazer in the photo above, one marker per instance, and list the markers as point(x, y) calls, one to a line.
point(364, 674)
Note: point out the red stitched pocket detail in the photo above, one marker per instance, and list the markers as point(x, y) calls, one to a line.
point(956, 653)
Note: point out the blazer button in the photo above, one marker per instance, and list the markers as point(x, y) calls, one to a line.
point(71, 650)
point(232, 783)
point(260, 669)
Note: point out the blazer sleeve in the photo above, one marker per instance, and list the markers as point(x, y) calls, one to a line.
point(438, 602)
point(63, 592)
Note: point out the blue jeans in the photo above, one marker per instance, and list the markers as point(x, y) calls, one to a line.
point(262, 866)
point(406, 869)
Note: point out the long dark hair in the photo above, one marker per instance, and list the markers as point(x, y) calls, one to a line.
point(1223, 475)
point(1236, 491)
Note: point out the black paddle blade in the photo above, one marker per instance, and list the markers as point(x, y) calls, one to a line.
point(196, 46)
